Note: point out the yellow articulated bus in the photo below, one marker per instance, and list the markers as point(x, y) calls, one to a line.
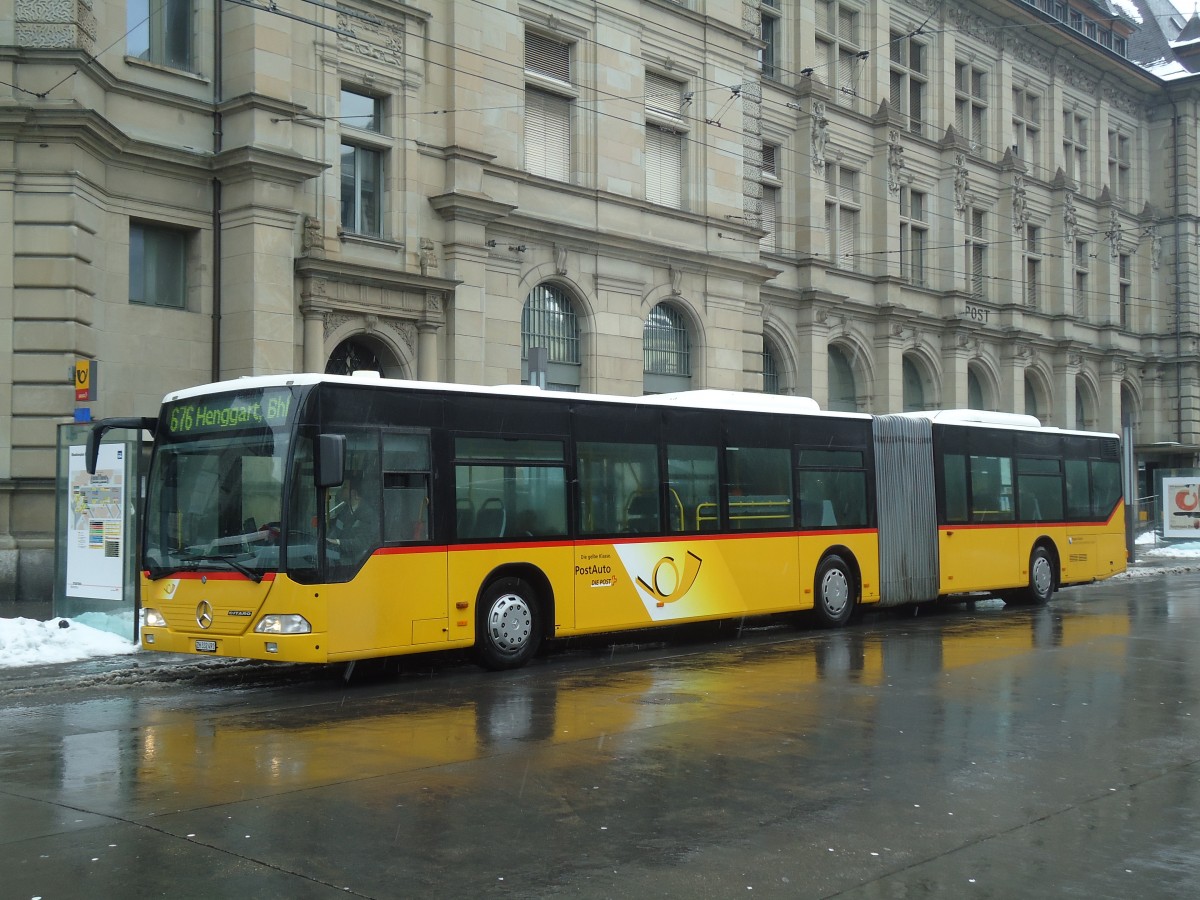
point(315, 518)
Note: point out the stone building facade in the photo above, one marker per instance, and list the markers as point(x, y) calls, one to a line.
point(884, 206)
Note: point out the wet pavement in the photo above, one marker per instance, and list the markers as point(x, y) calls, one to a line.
point(980, 751)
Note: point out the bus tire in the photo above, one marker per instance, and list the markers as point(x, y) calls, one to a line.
point(835, 592)
point(1041, 578)
point(509, 628)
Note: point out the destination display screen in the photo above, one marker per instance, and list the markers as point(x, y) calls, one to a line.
point(229, 412)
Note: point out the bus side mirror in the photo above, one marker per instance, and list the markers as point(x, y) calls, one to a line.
point(331, 460)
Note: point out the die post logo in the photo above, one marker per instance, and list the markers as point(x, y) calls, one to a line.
point(667, 583)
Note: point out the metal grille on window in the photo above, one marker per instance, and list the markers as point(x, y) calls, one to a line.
point(549, 321)
point(771, 383)
point(665, 342)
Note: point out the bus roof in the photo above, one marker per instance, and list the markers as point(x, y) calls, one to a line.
point(706, 398)
point(698, 399)
point(987, 418)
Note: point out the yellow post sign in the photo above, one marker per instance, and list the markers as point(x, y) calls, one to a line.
point(84, 380)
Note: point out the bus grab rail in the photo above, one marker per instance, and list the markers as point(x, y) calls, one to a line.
point(96, 435)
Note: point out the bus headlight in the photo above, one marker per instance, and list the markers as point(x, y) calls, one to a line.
point(290, 623)
point(152, 618)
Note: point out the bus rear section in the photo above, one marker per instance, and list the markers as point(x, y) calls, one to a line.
point(994, 503)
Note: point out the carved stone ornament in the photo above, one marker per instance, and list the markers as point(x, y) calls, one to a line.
point(1114, 234)
point(962, 182)
point(895, 162)
point(1020, 204)
point(378, 41)
point(820, 137)
point(560, 259)
point(334, 321)
point(1070, 219)
point(406, 331)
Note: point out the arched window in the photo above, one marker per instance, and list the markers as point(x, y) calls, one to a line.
point(362, 354)
point(548, 320)
point(667, 350)
point(1031, 399)
point(914, 386)
point(843, 393)
point(772, 384)
point(974, 391)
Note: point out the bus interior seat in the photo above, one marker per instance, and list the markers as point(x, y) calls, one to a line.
point(490, 520)
point(464, 517)
point(641, 513)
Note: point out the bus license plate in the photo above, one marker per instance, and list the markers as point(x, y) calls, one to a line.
point(206, 646)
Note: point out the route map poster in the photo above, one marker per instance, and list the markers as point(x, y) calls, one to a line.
point(96, 525)
point(1181, 507)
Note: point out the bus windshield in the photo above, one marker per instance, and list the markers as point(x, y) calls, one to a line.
point(215, 493)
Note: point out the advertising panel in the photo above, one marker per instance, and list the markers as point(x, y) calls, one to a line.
point(1181, 507)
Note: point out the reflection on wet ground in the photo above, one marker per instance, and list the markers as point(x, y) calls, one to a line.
point(982, 748)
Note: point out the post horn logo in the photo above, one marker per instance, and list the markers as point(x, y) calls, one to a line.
point(203, 613)
point(666, 583)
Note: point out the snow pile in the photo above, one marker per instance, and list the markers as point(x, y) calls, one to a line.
point(27, 642)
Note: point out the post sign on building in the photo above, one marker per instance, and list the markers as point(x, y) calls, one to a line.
point(85, 380)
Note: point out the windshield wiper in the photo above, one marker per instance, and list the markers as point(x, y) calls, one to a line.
point(193, 562)
point(256, 577)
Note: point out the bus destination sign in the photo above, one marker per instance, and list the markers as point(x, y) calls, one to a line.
point(234, 411)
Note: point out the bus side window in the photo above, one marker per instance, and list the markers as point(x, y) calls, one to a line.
point(406, 498)
point(613, 479)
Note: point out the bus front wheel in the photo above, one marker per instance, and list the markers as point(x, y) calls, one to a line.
point(509, 629)
point(836, 592)
point(1041, 578)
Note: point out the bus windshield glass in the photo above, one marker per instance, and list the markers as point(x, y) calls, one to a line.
point(215, 492)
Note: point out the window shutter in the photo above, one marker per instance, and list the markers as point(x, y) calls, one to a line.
point(664, 97)
point(550, 59)
point(847, 239)
point(547, 135)
point(664, 164)
point(770, 219)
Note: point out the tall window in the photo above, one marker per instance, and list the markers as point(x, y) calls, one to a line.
point(665, 131)
point(843, 392)
point(667, 350)
point(549, 94)
point(839, 48)
point(1119, 164)
point(1075, 143)
point(361, 118)
point(1125, 289)
point(914, 232)
point(548, 320)
point(160, 31)
point(914, 386)
point(976, 246)
point(1033, 266)
point(908, 79)
point(1027, 127)
point(974, 391)
point(770, 199)
point(841, 216)
point(770, 363)
point(157, 265)
point(1081, 279)
point(769, 14)
point(970, 104)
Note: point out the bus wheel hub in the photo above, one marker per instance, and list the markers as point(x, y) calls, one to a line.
point(510, 623)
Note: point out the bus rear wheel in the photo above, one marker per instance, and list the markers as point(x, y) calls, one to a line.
point(509, 629)
point(836, 592)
